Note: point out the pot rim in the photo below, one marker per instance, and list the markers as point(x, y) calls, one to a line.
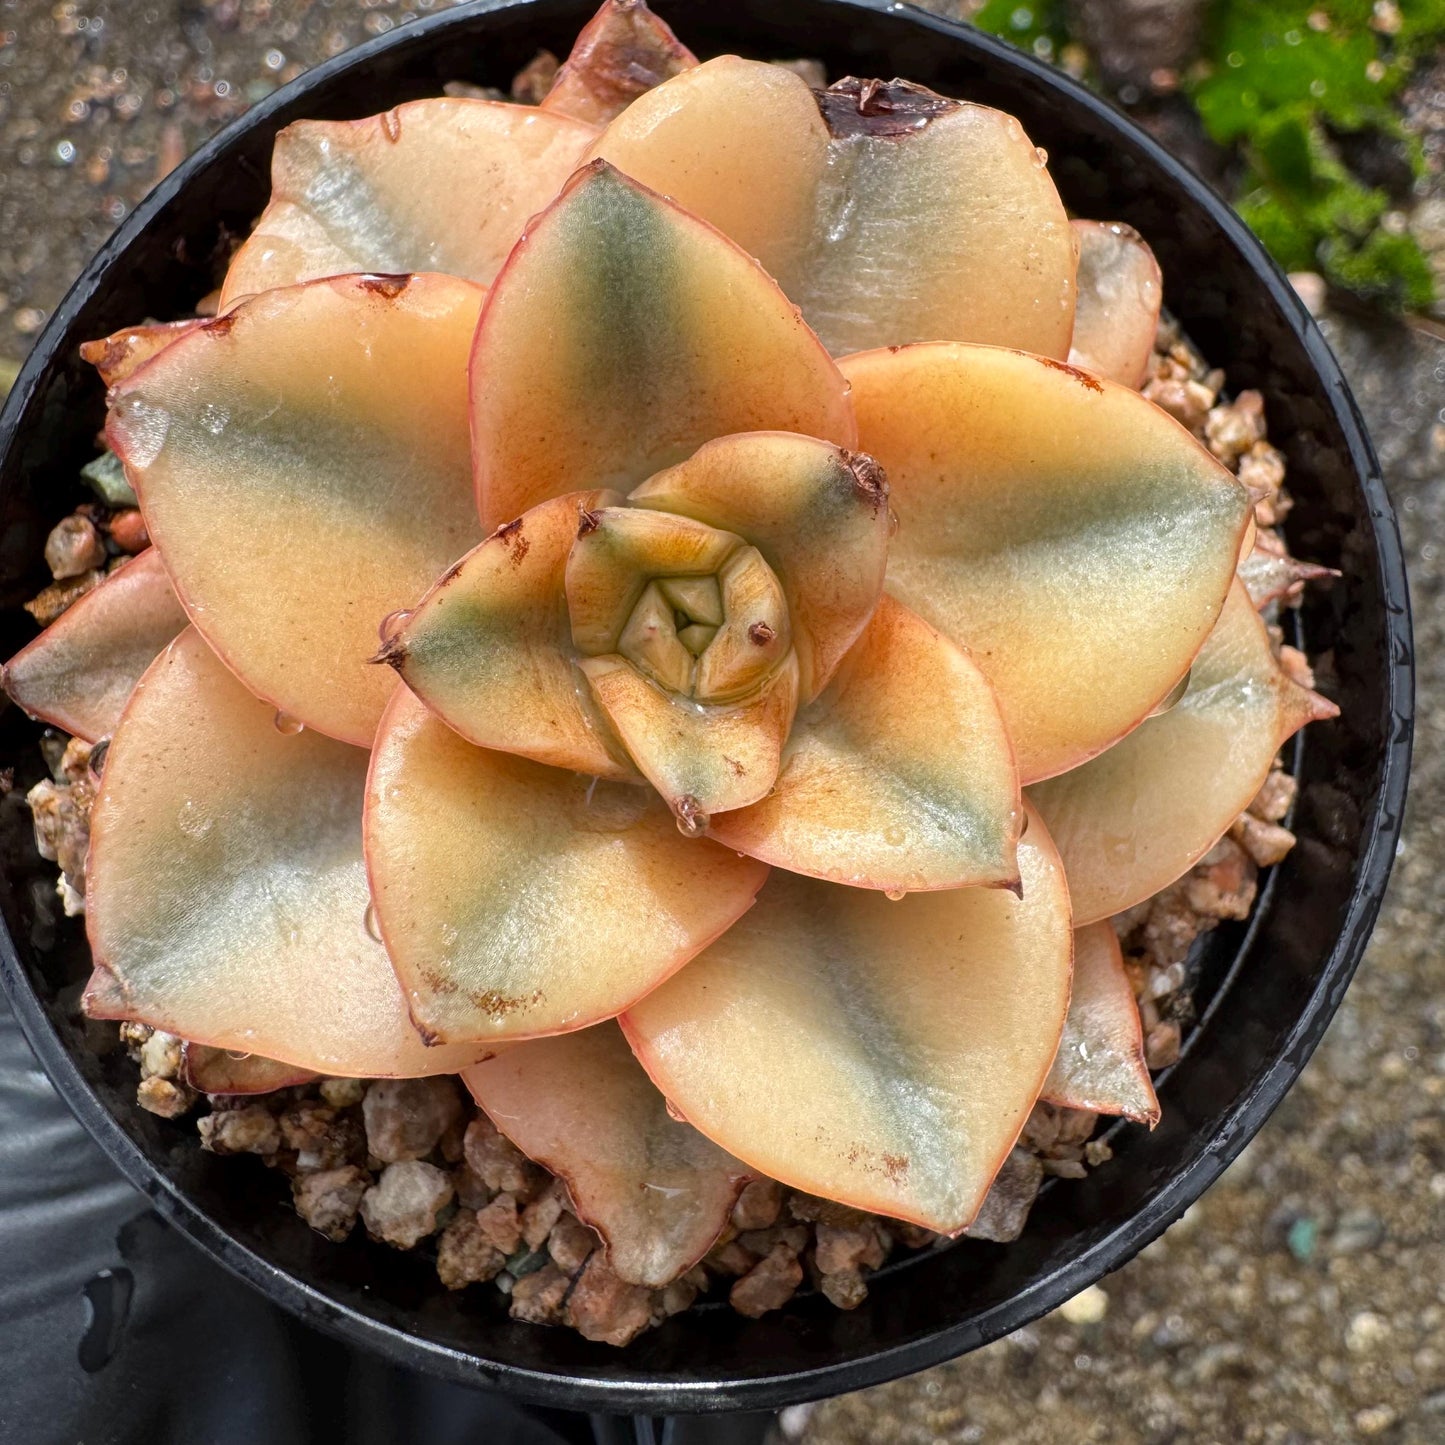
point(619, 1390)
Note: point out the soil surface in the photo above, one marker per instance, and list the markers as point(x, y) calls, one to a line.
point(1303, 1299)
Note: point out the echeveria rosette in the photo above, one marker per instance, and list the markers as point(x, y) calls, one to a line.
point(671, 634)
point(681, 646)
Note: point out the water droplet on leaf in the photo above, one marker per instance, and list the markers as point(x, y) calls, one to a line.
point(287, 724)
point(392, 623)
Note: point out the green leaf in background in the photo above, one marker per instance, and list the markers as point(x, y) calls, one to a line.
point(1036, 25)
point(1266, 55)
point(1278, 83)
point(1280, 77)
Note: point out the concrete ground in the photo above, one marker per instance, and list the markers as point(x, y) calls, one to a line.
point(1303, 1300)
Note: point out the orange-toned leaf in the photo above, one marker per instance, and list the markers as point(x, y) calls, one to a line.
point(1142, 814)
point(622, 51)
point(303, 467)
point(519, 900)
point(433, 185)
point(1100, 1064)
point(900, 776)
point(888, 213)
point(883, 1054)
point(489, 648)
point(1070, 535)
point(656, 1190)
point(227, 899)
point(80, 671)
point(818, 514)
point(116, 356)
point(704, 758)
point(622, 334)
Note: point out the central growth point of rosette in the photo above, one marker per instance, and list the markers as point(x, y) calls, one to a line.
point(684, 629)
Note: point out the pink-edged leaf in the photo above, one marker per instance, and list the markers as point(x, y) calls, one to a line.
point(1140, 815)
point(656, 1190)
point(900, 776)
point(489, 648)
point(79, 673)
point(882, 1054)
point(889, 213)
point(1071, 536)
point(518, 900)
point(227, 899)
point(303, 467)
point(1100, 1064)
point(434, 185)
point(621, 335)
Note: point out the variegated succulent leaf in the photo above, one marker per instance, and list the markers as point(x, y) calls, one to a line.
point(889, 213)
point(622, 52)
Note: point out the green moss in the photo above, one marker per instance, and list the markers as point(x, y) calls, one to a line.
point(1036, 25)
point(1280, 81)
point(1281, 78)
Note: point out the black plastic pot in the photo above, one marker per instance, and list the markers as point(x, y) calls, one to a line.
point(1270, 987)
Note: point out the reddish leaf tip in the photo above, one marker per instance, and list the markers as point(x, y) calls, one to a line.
point(391, 653)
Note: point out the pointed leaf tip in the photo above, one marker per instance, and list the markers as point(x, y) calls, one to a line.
point(622, 52)
point(658, 1192)
point(486, 869)
point(1140, 815)
point(918, 1035)
point(1100, 1064)
point(489, 648)
point(621, 335)
point(80, 672)
point(227, 893)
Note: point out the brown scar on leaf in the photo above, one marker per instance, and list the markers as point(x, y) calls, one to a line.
point(219, 326)
point(104, 356)
point(738, 769)
point(761, 633)
point(587, 522)
point(870, 481)
point(387, 287)
point(452, 573)
point(1090, 383)
point(882, 108)
point(895, 1166)
point(509, 534)
point(499, 1005)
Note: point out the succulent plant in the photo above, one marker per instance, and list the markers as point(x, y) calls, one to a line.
point(651, 557)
